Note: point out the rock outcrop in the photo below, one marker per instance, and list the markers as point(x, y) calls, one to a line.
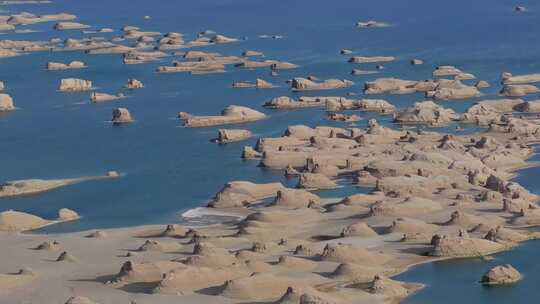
point(230, 115)
point(134, 84)
point(371, 105)
point(452, 246)
point(508, 78)
point(226, 136)
point(426, 112)
point(315, 181)
point(75, 85)
point(373, 59)
point(121, 115)
point(519, 90)
point(80, 300)
point(241, 193)
point(6, 103)
point(52, 66)
point(502, 274)
point(96, 97)
point(371, 24)
point(285, 102)
point(303, 84)
point(70, 26)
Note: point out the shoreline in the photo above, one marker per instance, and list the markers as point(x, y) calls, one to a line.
point(224, 216)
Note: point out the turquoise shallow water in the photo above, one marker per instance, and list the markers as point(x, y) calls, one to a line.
point(170, 169)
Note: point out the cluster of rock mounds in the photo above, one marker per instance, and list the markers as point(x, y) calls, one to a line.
point(304, 84)
point(136, 45)
point(331, 103)
point(199, 62)
point(226, 136)
point(439, 89)
point(52, 66)
point(431, 190)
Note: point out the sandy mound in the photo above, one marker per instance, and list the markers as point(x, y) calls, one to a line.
point(6, 102)
point(97, 234)
point(344, 253)
point(80, 300)
point(357, 273)
point(66, 257)
point(213, 260)
point(261, 225)
point(249, 255)
point(259, 286)
point(230, 115)
point(413, 185)
point(305, 250)
point(153, 245)
point(362, 199)
point(66, 215)
point(296, 264)
point(174, 231)
point(426, 112)
point(408, 207)
point(296, 216)
point(49, 245)
point(388, 288)
point(121, 115)
point(469, 221)
point(505, 235)
point(303, 84)
point(502, 274)
point(23, 277)
point(145, 272)
point(19, 221)
point(296, 198)
point(315, 181)
point(516, 205)
point(75, 85)
point(305, 295)
point(411, 227)
point(226, 136)
point(265, 247)
point(205, 248)
point(195, 278)
point(240, 193)
point(258, 266)
point(447, 246)
point(359, 229)
point(527, 218)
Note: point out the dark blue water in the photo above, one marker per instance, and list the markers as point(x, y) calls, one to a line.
point(170, 169)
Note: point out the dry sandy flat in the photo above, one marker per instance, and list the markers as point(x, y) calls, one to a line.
point(98, 260)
